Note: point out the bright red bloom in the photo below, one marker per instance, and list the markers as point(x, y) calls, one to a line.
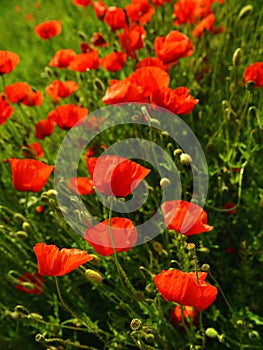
point(100, 8)
point(172, 47)
point(114, 61)
point(98, 40)
point(140, 11)
point(8, 61)
point(54, 262)
point(254, 73)
point(33, 150)
point(17, 91)
point(185, 217)
point(62, 58)
point(189, 11)
point(82, 3)
point(67, 116)
point(184, 288)
point(5, 110)
point(34, 98)
point(132, 39)
point(44, 128)
point(29, 174)
point(178, 101)
point(207, 23)
point(228, 206)
point(81, 185)
point(114, 175)
point(122, 91)
point(115, 17)
point(189, 314)
point(158, 3)
point(34, 279)
point(124, 236)
point(47, 30)
point(152, 62)
point(85, 61)
point(59, 89)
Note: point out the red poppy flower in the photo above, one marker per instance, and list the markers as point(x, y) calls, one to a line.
point(58, 89)
point(94, 122)
point(184, 288)
point(185, 217)
point(189, 314)
point(98, 39)
point(207, 23)
point(81, 185)
point(114, 175)
point(17, 91)
point(29, 174)
point(85, 61)
point(5, 110)
point(8, 61)
point(100, 8)
point(140, 11)
point(115, 17)
point(44, 128)
point(189, 11)
point(34, 98)
point(114, 61)
point(67, 116)
point(124, 236)
point(62, 58)
point(228, 206)
point(152, 62)
point(34, 279)
point(132, 39)
point(254, 73)
point(40, 209)
point(33, 150)
point(158, 3)
point(122, 91)
point(172, 47)
point(54, 262)
point(178, 101)
point(49, 29)
point(82, 3)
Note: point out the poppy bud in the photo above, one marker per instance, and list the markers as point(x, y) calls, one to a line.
point(139, 295)
point(164, 182)
point(135, 324)
point(205, 267)
point(236, 57)
point(157, 247)
point(154, 123)
point(211, 333)
point(39, 338)
point(250, 86)
point(26, 227)
point(82, 36)
point(245, 12)
point(51, 193)
point(93, 276)
point(18, 217)
point(204, 250)
point(35, 316)
point(95, 259)
point(185, 159)
point(98, 85)
point(149, 337)
point(21, 234)
point(177, 152)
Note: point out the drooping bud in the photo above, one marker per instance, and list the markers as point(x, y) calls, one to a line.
point(185, 159)
point(245, 12)
point(94, 276)
point(26, 227)
point(164, 182)
point(236, 57)
point(205, 267)
point(211, 333)
point(177, 152)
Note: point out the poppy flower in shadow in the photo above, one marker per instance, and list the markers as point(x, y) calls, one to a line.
point(33, 150)
point(81, 185)
point(32, 283)
point(49, 29)
point(172, 47)
point(115, 17)
point(29, 174)
point(5, 110)
point(8, 61)
point(185, 217)
point(98, 40)
point(44, 128)
point(184, 315)
point(115, 176)
point(122, 236)
point(100, 8)
point(82, 3)
point(254, 73)
point(54, 262)
point(207, 24)
point(114, 61)
point(185, 289)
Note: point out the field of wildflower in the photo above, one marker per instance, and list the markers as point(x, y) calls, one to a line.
point(131, 174)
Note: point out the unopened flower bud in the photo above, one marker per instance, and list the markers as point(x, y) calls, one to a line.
point(135, 324)
point(26, 227)
point(211, 333)
point(21, 234)
point(177, 152)
point(98, 85)
point(164, 182)
point(157, 247)
point(185, 159)
point(245, 11)
point(139, 295)
point(35, 316)
point(154, 123)
point(204, 250)
point(51, 193)
point(94, 276)
point(236, 57)
point(82, 35)
point(205, 267)
point(149, 337)
point(95, 259)
point(18, 217)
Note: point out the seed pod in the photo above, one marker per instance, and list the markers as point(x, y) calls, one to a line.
point(135, 324)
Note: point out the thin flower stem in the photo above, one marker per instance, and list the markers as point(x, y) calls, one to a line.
point(73, 313)
point(68, 342)
point(202, 330)
point(3, 81)
point(221, 291)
